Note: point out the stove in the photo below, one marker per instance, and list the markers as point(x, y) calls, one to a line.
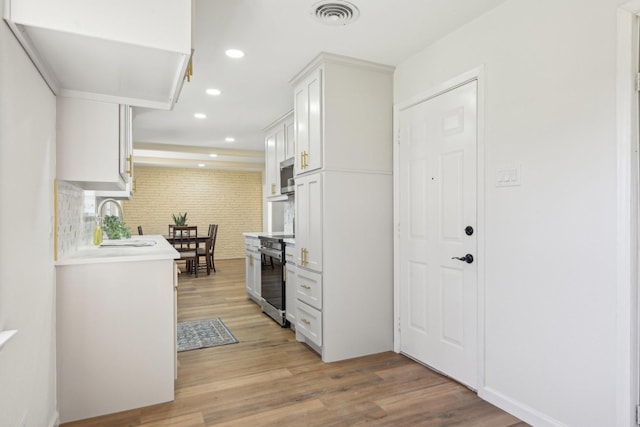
point(272, 283)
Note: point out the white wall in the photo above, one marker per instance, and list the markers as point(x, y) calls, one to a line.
point(27, 276)
point(550, 266)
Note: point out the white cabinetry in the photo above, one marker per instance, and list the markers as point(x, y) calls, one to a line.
point(94, 145)
point(290, 283)
point(309, 221)
point(115, 331)
point(125, 52)
point(344, 207)
point(290, 141)
point(253, 272)
point(307, 104)
point(277, 143)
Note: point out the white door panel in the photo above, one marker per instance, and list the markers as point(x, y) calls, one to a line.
point(438, 308)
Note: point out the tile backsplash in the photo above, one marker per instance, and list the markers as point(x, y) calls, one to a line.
point(76, 218)
point(289, 216)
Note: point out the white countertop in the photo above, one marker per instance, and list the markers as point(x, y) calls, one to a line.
point(256, 234)
point(253, 234)
point(148, 248)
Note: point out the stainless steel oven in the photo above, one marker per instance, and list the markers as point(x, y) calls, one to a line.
point(272, 285)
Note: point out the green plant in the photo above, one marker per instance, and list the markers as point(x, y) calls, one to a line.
point(180, 219)
point(115, 228)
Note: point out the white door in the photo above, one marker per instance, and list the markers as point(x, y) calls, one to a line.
point(438, 308)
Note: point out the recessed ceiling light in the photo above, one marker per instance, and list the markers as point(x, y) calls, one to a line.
point(200, 165)
point(213, 92)
point(213, 155)
point(234, 53)
point(230, 139)
point(200, 115)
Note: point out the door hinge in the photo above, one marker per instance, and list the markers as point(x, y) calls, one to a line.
point(637, 82)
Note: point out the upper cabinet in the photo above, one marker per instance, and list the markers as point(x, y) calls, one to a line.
point(335, 104)
point(125, 52)
point(307, 98)
point(278, 146)
point(94, 144)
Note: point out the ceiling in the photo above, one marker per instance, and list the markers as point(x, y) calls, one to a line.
point(279, 37)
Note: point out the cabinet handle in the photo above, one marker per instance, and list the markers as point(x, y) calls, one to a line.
point(130, 162)
point(303, 256)
point(305, 321)
point(251, 260)
point(189, 70)
point(306, 160)
point(273, 189)
point(305, 286)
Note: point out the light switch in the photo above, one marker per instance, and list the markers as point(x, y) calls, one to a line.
point(508, 176)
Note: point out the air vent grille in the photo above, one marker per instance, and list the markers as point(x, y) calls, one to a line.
point(335, 12)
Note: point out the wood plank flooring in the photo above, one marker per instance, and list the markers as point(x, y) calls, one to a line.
point(269, 379)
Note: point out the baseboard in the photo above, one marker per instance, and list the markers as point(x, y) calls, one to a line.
point(517, 409)
point(55, 420)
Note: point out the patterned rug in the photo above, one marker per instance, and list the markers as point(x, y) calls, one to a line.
point(203, 333)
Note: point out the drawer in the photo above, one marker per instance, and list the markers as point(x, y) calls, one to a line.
point(309, 322)
point(309, 287)
point(290, 254)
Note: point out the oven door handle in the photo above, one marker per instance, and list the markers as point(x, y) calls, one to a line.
point(272, 253)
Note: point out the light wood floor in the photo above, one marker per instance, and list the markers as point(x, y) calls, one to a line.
point(269, 379)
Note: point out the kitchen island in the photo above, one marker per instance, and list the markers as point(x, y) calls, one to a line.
point(116, 320)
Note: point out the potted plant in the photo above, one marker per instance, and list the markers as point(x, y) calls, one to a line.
point(180, 219)
point(115, 228)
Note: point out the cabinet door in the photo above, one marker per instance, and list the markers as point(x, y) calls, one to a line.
point(290, 141)
point(87, 145)
point(275, 141)
point(270, 158)
point(301, 120)
point(308, 123)
point(257, 275)
point(309, 222)
point(249, 272)
point(314, 85)
point(126, 144)
point(290, 292)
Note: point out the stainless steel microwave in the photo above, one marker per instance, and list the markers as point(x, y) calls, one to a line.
point(286, 177)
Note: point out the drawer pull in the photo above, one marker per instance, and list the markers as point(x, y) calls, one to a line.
point(305, 321)
point(305, 286)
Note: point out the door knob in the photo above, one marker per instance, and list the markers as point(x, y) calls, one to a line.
point(468, 258)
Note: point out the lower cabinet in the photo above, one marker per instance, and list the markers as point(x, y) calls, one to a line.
point(116, 337)
point(253, 272)
point(309, 323)
point(290, 284)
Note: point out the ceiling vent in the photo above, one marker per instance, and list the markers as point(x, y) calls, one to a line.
point(335, 12)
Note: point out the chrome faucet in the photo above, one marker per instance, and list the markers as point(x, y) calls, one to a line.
point(101, 208)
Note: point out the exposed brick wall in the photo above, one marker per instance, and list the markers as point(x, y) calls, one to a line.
point(232, 199)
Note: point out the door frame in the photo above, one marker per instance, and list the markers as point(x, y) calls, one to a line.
point(471, 75)
point(628, 362)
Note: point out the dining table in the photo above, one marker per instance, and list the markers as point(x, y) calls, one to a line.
point(198, 239)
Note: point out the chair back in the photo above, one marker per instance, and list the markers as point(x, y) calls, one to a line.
point(185, 238)
point(212, 238)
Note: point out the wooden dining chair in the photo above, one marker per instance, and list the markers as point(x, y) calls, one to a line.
point(207, 251)
point(185, 241)
point(212, 248)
